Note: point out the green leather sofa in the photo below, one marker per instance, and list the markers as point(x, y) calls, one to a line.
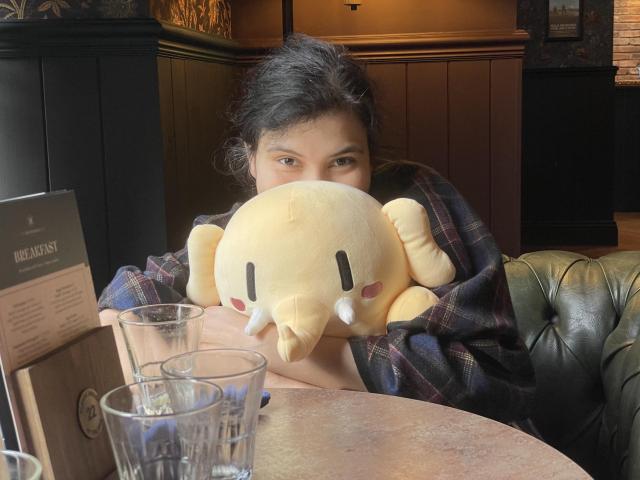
point(580, 319)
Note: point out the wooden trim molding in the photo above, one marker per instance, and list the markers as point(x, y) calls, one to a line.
point(179, 42)
point(420, 46)
point(74, 37)
point(77, 37)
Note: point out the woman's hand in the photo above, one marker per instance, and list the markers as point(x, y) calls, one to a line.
point(330, 364)
point(224, 328)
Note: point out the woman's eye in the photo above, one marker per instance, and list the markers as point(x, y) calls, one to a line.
point(288, 162)
point(343, 161)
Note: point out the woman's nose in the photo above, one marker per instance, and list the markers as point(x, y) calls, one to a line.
point(316, 174)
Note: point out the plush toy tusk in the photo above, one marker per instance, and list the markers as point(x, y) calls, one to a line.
point(344, 310)
point(259, 319)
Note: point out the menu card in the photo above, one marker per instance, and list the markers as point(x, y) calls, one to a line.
point(46, 290)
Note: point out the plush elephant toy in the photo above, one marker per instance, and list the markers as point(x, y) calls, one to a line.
point(318, 258)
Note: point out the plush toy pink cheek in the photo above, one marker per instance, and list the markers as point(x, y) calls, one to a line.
point(372, 291)
point(238, 304)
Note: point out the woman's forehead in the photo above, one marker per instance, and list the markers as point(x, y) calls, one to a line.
point(325, 131)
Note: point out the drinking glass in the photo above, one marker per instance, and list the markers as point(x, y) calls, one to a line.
point(153, 333)
point(240, 374)
point(19, 466)
point(164, 429)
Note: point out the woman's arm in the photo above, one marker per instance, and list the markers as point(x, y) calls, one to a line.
point(330, 365)
point(164, 279)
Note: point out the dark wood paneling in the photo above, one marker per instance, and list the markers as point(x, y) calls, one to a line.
point(568, 117)
point(171, 170)
point(627, 149)
point(506, 114)
point(23, 168)
point(133, 158)
point(74, 146)
point(196, 95)
point(390, 86)
point(183, 217)
point(209, 89)
point(78, 37)
point(470, 133)
point(427, 114)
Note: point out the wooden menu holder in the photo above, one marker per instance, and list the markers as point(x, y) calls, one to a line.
point(59, 398)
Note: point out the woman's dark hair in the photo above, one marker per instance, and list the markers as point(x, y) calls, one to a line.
point(300, 81)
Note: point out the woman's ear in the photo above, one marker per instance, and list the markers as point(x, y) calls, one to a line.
point(252, 160)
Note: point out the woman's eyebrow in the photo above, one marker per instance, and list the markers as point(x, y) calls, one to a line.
point(349, 149)
point(280, 148)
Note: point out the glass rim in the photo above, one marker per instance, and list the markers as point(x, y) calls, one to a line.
point(122, 320)
point(261, 357)
point(31, 460)
point(119, 413)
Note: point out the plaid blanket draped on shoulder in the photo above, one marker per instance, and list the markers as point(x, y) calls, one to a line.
point(164, 279)
point(464, 351)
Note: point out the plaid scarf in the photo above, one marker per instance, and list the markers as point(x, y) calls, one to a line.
point(464, 351)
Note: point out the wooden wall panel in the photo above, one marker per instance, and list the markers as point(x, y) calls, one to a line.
point(427, 114)
point(134, 172)
point(506, 112)
point(209, 88)
point(470, 133)
point(196, 95)
point(263, 18)
point(180, 221)
point(331, 17)
point(167, 123)
point(74, 149)
point(23, 167)
point(390, 86)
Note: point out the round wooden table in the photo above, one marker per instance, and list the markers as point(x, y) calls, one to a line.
point(328, 434)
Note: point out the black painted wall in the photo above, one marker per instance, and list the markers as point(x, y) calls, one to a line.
point(567, 171)
point(568, 131)
point(627, 153)
point(595, 49)
point(80, 111)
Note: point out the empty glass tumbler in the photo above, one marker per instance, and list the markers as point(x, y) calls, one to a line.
point(240, 374)
point(164, 429)
point(19, 466)
point(153, 333)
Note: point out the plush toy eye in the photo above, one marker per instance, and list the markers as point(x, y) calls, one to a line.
point(345, 270)
point(251, 281)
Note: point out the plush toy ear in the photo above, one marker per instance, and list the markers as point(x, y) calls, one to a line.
point(201, 246)
point(429, 265)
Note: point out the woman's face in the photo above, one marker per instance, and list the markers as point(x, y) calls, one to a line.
point(331, 147)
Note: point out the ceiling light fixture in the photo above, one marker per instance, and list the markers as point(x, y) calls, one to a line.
point(354, 4)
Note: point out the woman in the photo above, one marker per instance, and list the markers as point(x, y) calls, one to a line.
point(308, 113)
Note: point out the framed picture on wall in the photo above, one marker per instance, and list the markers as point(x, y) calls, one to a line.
point(564, 20)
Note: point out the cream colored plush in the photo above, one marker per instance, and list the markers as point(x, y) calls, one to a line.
point(287, 240)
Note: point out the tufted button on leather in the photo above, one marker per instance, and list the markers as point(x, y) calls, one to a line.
point(554, 319)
